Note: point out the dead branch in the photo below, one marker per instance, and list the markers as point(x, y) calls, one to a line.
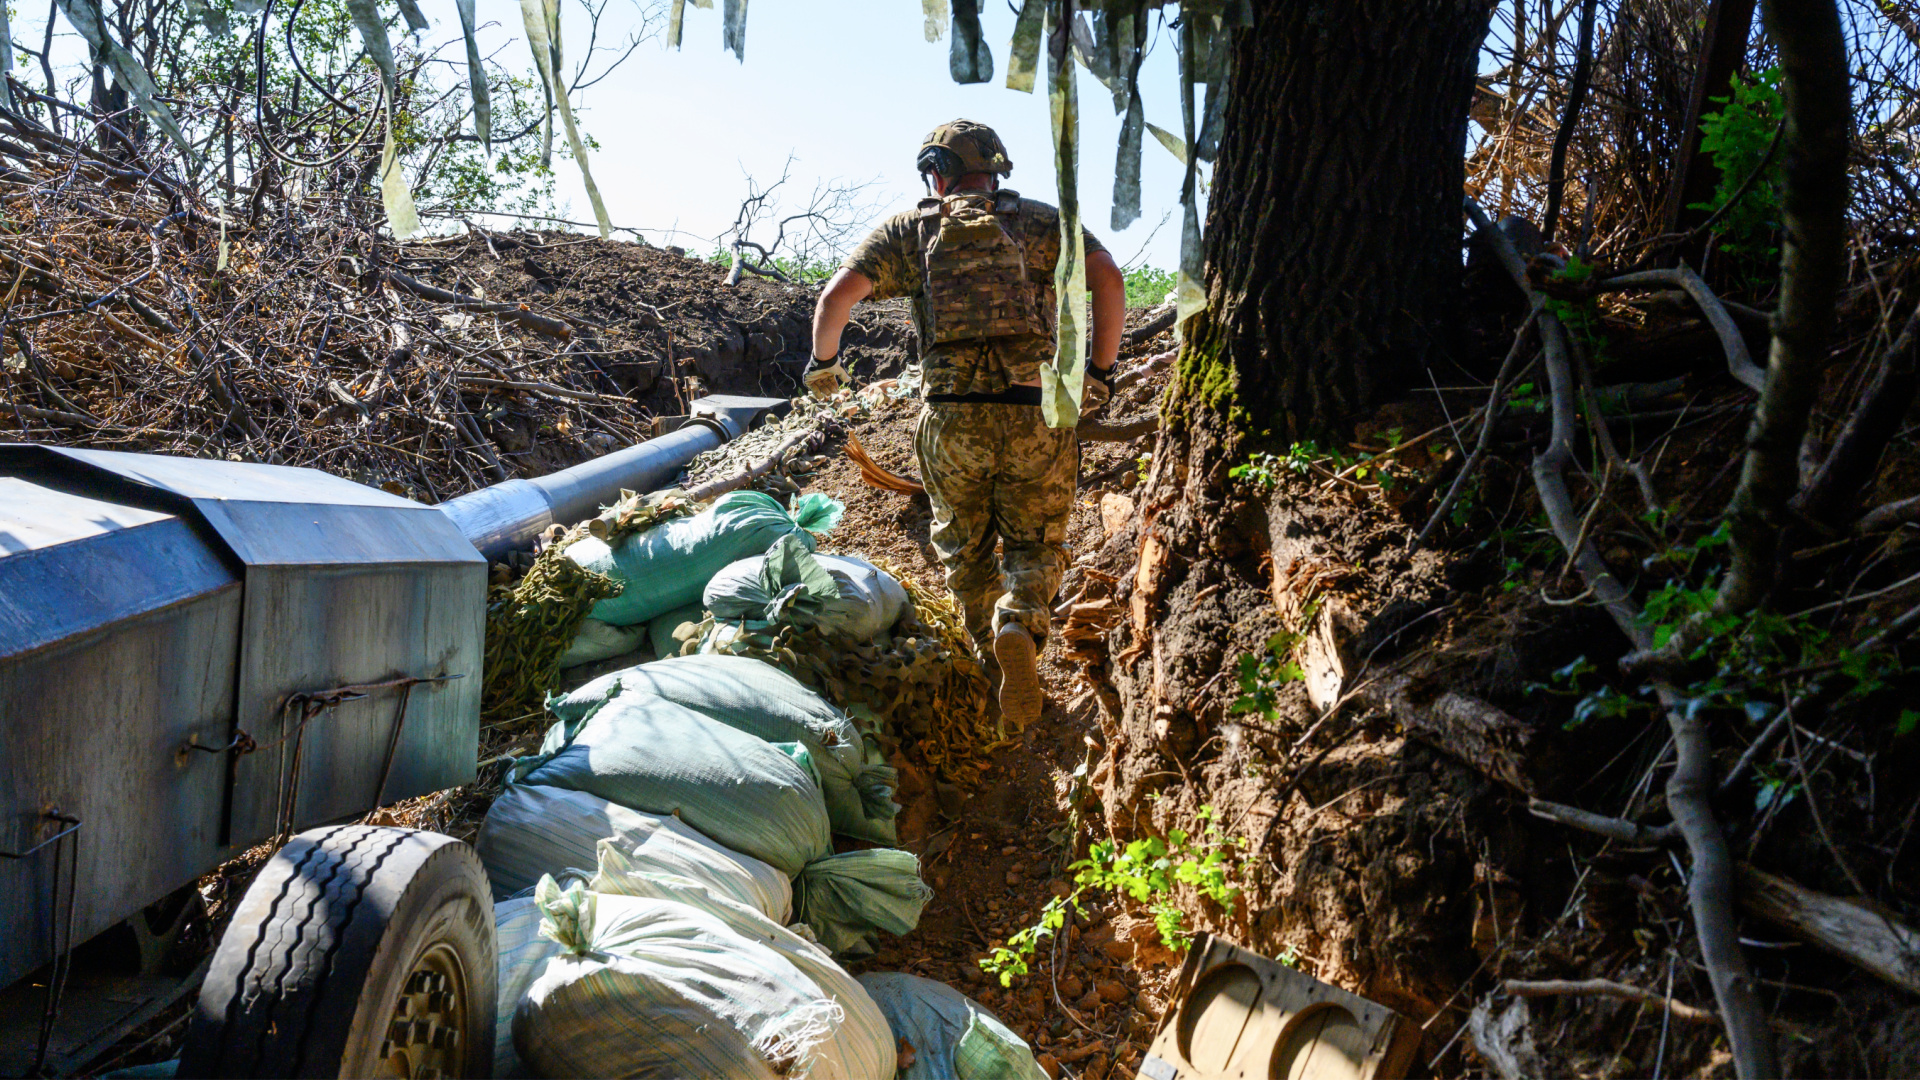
point(1739, 361)
point(1690, 788)
point(1855, 458)
point(1490, 416)
point(1608, 988)
point(1858, 933)
point(1628, 832)
point(518, 313)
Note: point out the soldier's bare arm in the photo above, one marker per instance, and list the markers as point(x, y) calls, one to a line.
point(847, 288)
point(825, 375)
point(1109, 288)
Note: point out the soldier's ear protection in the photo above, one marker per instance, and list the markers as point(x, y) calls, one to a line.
point(938, 160)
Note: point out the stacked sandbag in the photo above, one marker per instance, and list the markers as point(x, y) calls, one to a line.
point(759, 798)
point(610, 985)
point(596, 640)
point(662, 629)
point(788, 585)
point(532, 832)
point(863, 1043)
point(953, 1037)
point(767, 703)
point(668, 566)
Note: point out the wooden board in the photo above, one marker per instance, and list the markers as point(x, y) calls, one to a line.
point(1237, 1014)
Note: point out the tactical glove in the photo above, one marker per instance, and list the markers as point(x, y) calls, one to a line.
point(824, 382)
point(1095, 390)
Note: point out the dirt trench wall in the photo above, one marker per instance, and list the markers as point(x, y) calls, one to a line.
point(1384, 871)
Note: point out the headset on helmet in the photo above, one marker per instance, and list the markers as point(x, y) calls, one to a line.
point(961, 147)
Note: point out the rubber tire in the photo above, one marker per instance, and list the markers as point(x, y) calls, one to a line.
point(307, 975)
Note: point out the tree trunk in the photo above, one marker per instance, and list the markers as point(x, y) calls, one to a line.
point(1333, 246)
point(1334, 225)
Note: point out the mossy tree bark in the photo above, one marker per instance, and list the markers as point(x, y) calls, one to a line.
point(1334, 222)
point(1334, 257)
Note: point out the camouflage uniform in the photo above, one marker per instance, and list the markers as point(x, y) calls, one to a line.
point(997, 475)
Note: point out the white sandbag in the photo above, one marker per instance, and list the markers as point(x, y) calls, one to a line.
point(532, 831)
point(789, 585)
point(861, 1043)
point(627, 986)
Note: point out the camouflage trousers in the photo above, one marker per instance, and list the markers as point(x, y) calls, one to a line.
point(997, 475)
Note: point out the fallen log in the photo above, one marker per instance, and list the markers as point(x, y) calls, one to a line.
point(1850, 929)
point(1481, 734)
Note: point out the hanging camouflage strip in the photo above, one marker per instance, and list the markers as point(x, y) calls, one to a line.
point(1175, 144)
point(1023, 56)
point(395, 197)
point(969, 60)
point(200, 11)
point(934, 13)
point(477, 79)
point(1188, 298)
point(676, 19)
point(542, 18)
point(6, 57)
point(416, 19)
point(128, 73)
point(1061, 382)
point(733, 28)
point(1131, 27)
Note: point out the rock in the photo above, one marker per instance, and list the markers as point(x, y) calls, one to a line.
point(1013, 877)
point(1129, 480)
point(1060, 889)
point(1112, 991)
point(1120, 949)
point(1115, 512)
point(1049, 1064)
point(1089, 1002)
point(1072, 987)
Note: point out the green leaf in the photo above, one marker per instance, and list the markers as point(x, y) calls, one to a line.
point(1909, 719)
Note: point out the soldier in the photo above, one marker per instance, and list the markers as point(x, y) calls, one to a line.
point(979, 261)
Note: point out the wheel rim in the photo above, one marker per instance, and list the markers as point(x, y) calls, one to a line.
point(428, 1030)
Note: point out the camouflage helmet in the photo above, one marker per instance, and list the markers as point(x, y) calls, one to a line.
point(962, 147)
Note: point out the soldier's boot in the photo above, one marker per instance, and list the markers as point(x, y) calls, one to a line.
point(1020, 694)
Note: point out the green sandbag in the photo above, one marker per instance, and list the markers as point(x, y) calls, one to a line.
point(668, 566)
point(660, 629)
point(845, 898)
point(648, 754)
point(953, 1036)
point(761, 700)
point(755, 797)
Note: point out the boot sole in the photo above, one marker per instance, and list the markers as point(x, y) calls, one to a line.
point(1020, 694)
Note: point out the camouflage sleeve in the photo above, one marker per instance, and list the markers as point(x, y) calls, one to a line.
point(889, 257)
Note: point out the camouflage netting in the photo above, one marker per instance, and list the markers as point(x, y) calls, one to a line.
point(920, 685)
point(531, 623)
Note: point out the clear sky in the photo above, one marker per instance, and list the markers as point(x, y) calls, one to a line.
point(847, 87)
